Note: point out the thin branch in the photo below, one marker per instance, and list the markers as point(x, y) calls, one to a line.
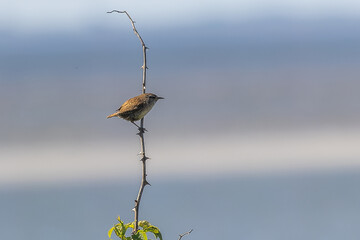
point(182, 235)
point(144, 66)
point(144, 182)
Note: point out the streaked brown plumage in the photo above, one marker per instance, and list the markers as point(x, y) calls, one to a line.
point(136, 108)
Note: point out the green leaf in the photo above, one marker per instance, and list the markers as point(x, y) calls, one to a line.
point(144, 224)
point(120, 229)
point(129, 225)
point(118, 232)
point(110, 232)
point(154, 230)
point(140, 235)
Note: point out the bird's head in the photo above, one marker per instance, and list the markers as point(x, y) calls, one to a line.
point(152, 97)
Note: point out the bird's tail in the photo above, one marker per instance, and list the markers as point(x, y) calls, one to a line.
point(112, 115)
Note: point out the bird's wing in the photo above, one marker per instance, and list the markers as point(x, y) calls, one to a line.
point(131, 108)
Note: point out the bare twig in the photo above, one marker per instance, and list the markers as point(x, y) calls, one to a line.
point(182, 235)
point(144, 182)
point(144, 66)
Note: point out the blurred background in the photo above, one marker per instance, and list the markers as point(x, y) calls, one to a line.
point(258, 134)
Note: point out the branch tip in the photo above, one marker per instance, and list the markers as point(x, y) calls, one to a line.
point(182, 235)
point(117, 11)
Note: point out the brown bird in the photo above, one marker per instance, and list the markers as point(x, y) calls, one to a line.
point(136, 108)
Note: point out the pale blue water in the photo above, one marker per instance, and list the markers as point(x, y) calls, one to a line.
point(274, 207)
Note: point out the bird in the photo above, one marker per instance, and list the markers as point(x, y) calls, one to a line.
point(136, 108)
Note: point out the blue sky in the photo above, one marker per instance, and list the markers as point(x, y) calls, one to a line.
point(42, 15)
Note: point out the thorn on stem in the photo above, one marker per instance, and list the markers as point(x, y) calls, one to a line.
point(141, 131)
point(141, 154)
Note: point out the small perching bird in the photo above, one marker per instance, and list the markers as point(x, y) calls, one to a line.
point(136, 108)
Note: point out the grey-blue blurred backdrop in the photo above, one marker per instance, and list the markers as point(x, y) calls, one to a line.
point(257, 138)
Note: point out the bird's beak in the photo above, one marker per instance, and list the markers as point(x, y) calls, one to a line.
point(160, 98)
